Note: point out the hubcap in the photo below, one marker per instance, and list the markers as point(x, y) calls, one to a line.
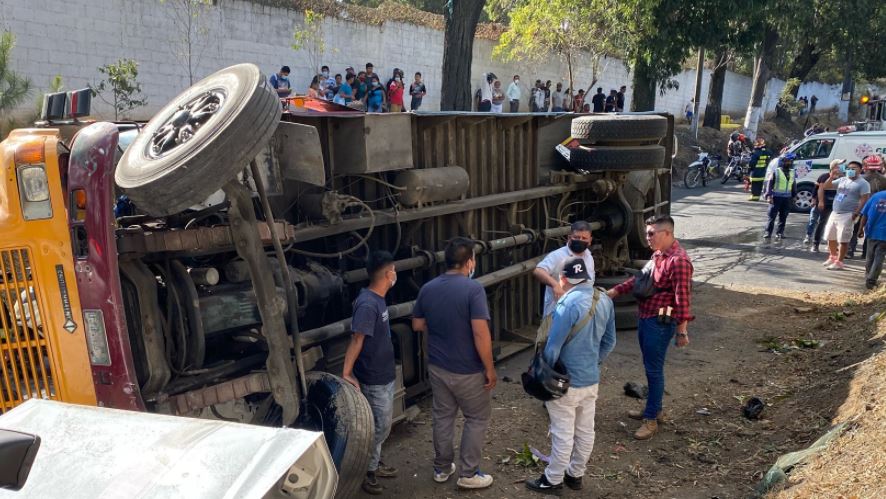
point(803, 200)
point(184, 123)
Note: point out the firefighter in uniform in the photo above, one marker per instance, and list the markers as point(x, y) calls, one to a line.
point(759, 160)
point(781, 186)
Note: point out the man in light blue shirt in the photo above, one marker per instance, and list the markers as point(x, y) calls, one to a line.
point(572, 415)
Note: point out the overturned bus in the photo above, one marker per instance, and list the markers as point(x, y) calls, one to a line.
point(204, 263)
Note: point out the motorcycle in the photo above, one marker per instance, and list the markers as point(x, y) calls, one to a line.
point(705, 167)
point(738, 168)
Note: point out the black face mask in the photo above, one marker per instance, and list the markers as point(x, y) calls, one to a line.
point(577, 246)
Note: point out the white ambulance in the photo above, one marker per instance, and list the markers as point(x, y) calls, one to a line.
point(815, 153)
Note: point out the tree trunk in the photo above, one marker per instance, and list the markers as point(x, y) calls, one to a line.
point(800, 68)
point(713, 109)
point(843, 111)
point(762, 73)
point(699, 77)
point(458, 49)
point(644, 87)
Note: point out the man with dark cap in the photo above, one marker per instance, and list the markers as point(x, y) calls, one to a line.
point(582, 335)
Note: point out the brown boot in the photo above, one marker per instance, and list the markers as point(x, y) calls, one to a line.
point(646, 430)
point(638, 415)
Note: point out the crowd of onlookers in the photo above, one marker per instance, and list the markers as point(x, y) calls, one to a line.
point(359, 90)
point(368, 91)
point(545, 97)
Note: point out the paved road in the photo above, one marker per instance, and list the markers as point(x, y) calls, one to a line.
point(723, 233)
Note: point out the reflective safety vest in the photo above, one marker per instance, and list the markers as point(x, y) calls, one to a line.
point(783, 183)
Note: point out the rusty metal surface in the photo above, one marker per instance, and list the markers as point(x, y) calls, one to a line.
point(198, 239)
point(223, 392)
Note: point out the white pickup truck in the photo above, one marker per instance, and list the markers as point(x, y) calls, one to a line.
point(92, 452)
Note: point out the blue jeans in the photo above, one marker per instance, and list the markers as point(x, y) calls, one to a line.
point(654, 341)
point(814, 217)
point(381, 400)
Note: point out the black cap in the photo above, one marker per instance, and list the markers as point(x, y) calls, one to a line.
point(576, 271)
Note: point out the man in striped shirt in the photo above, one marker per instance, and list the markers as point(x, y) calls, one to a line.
point(664, 312)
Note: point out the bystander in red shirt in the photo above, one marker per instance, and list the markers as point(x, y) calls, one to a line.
point(673, 281)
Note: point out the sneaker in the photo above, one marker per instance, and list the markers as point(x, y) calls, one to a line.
point(807, 240)
point(815, 249)
point(829, 261)
point(480, 480)
point(638, 415)
point(541, 484)
point(442, 476)
point(870, 285)
point(371, 485)
point(767, 236)
point(573, 482)
point(778, 237)
point(838, 265)
point(851, 255)
point(647, 430)
point(384, 471)
point(754, 198)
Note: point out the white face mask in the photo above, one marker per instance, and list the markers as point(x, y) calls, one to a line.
point(394, 280)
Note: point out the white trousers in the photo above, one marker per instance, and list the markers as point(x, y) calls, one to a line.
point(572, 432)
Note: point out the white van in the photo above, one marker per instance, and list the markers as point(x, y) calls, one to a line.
point(815, 153)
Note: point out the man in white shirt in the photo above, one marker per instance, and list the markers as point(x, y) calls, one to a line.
point(557, 98)
point(548, 271)
point(485, 105)
point(513, 94)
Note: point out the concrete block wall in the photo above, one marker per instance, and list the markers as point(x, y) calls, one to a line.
point(72, 38)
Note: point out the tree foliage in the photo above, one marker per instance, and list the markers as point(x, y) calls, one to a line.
point(568, 28)
point(13, 87)
point(121, 81)
point(310, 38)
point(189, 20)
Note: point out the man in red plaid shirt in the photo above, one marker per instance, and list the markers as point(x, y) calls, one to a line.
point(662, 314)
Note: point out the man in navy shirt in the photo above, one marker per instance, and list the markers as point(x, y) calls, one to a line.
point(280, 82)
point(452, 310)
point(369, 359)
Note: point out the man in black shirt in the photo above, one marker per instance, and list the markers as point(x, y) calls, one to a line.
point(823, 204)
point(599, 100)
point(609, 106)
point(369, 360)
point(620, 99)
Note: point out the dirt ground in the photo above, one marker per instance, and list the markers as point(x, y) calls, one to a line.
point(707, 448)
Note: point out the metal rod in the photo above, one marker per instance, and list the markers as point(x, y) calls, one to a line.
point(291, 297)
point(315, 336)
point(384, 217)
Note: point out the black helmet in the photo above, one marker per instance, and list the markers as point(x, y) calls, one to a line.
point(734, 136)
point(545, 382)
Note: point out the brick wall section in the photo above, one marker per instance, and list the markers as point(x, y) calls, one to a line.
point(72, 38)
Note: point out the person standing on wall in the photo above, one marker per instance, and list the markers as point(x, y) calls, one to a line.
point(620, 99)
point(451, 309)
point(598, 100)
point(582, 335)
point(557, 98)
point(664, 302)
point(280, 82)
point(485, 104)
point(395, 92)
point(513, 94)
point(498, 97)
point(418, 91)
point(369, 359)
